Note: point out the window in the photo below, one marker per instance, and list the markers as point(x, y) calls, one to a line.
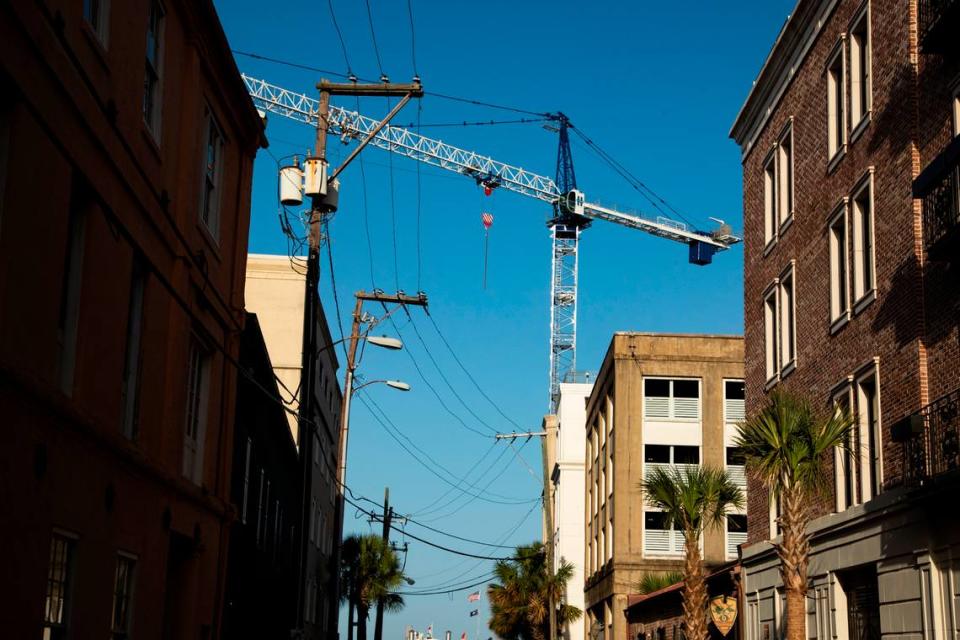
point(734, 398)
point(671, 399)
point(785, 176)
point(130, 395)
point(154, 68)
point(95, 13)
point(122, 600)
point(212, 170)
point(736, 467)
point(863, 602)
point(836, 106)
point(658, 537)
point(773, 501)
point(788, 328)
point(56, 608)
point(845, 460)
point(671, 454)
point(69, 317)
point(867, 435)
point(198, 389)
point(863, 271)
point(770, 200)
point(246, 482)
point(860, 70)
point(839, 294)
point(771, 334)
point(736, 533)
point(313, 520)
point(956, 112)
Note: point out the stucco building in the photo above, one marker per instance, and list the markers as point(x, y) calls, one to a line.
point(850, 155)
point(658, 400)
point(126, 154)
point(565, 464)
point(275, 289)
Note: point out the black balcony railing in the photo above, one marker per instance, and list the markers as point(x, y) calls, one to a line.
point(939, 188)
point(930, 441)
point(939, 20)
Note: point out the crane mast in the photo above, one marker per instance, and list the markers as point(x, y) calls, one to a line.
point(571, 212)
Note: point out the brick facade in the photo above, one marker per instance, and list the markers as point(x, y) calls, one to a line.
point(910, 329)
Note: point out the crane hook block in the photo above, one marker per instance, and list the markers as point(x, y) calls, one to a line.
point(701, 253)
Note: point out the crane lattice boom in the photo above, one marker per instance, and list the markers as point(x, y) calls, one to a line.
point(571, 212)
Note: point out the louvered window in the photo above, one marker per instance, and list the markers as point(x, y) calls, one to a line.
point(667, 399)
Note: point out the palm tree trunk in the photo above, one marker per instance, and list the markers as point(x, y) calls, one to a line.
point(694, 589)
point(794, 552)
point(362, 613)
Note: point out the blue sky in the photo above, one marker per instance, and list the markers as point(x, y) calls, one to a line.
point(657, 85)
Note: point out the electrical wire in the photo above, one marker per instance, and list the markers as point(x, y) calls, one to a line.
point(373, 37)
point(426, 512)
point(474, 123)
point(428, 508)
point(384, 421)
point(366, 211)
point(393, 216)
point(419, 164)
point(333, 286)
point(413, 40)
point(343, 45)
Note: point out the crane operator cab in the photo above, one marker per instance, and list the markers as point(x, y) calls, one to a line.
point(575, 202)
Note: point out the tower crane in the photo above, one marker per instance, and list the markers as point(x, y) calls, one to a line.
point(572, 213)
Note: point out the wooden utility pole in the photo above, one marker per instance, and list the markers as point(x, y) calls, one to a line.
point(387, 517)
point(323, 205)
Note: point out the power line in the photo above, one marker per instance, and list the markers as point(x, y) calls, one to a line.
point(439, 593)
point(413, 40)
point(366, 212)
point(373, 36)
point(333, 286)
point(426, 511)
point(343, 45)
point(384, 421)
point(474, 123)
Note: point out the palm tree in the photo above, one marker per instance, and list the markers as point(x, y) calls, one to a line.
point(654, 581)
point(371, 572)
point(785, 446)
point(520, 598)
point(692, 499)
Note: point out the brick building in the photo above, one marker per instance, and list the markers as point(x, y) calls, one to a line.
point(126, 154)
point(658, 400)
point(849, 151)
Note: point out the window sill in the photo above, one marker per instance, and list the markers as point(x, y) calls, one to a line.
point(840, 322)
point(788, 368)
point(771, 243)
point(865, 301)
point(837, 157)
point(858, 130)
point(786, 224)
point(771, 383)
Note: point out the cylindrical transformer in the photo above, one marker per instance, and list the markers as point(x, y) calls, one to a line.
point(291, 181)
point(314, 177)
point(331, 200)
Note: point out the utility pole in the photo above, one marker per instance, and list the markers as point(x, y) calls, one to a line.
point(324, 199)
point(400, 300)
point(549, 429)
point(387, 516)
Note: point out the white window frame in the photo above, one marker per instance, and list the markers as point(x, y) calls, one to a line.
point(770, 200)
point(62, 621)
point(671, 399)
point(199, 365)
point(843, 393)
point(839, 266)
point(866, 455)
point(211, 180)
point(154, 118)
point(786, 180)
point(771, 327)
point(860, 113)
point(863, 294)
point(676, 538)
point(117, 632)
point(788, 318)
point(955, 110)
point(741, 409)
point(836, 90)
point(99, 24)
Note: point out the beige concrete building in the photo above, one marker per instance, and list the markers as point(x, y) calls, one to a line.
point(275, 292)
point(659, 399)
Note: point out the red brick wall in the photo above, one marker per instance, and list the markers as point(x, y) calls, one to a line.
point(891, 328)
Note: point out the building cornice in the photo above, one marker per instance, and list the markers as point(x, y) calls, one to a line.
point(784, 60)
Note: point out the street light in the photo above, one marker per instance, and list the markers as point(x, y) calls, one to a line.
point(386, 342)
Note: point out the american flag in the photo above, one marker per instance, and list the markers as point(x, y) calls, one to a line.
point(473, 597)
